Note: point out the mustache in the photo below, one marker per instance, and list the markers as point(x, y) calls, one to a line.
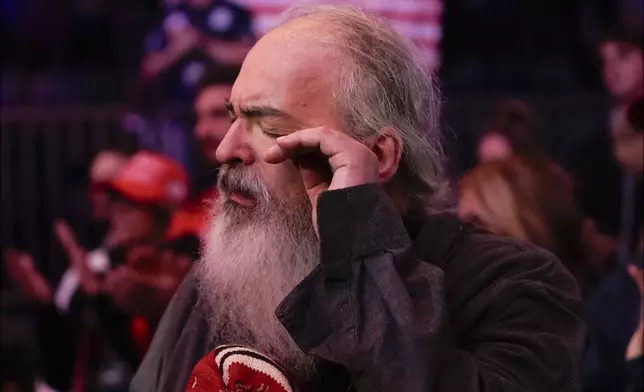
point(237, 179)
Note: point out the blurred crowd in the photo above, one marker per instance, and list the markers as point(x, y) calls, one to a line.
point(99, 296)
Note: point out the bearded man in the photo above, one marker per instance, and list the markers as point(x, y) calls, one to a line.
point(329, 261)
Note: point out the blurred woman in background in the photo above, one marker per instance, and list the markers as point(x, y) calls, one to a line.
point(532, 201)
point(512, 131)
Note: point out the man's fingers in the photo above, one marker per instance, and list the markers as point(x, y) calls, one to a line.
point(68, 240)
point(328, 142)
point(278, 154)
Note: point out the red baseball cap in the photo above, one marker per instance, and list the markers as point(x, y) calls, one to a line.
point(152, 178)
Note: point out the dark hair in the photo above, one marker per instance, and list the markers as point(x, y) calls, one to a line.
point(225, 76)
point(627, 32)
point(514, 120)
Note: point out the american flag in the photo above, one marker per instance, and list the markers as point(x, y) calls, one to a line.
point(419, 20)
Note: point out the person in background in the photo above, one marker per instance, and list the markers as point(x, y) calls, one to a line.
point(614, 361)
point(21, 266)
point(129, 278)
point(144, 195)
point(512, 131)
point(623, 58)
point(606, 189)
point(622, 53)
point(195, 36)
point(123, 286)
point(212, 123)
point(38, 279)
point(212, 116)
point(533, 203)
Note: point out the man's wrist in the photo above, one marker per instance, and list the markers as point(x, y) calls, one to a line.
point(355, 222)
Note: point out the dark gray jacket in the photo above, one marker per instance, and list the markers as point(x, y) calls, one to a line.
point(432, 305)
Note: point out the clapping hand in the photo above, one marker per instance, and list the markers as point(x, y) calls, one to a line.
point(77, 257)
point(24, 272)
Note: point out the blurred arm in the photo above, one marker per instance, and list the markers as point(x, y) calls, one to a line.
point(226, 52)
point(23, 271)
point(162, 56)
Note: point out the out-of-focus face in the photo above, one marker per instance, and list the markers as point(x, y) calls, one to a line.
point(493, 147)
point(622, 70)
point(213, 119)
point(100, 202)
point(130, 222)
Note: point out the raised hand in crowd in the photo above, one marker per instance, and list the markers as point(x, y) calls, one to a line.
point(185, 39)
point(23, 271)
point(77, 257)
point(180, 43)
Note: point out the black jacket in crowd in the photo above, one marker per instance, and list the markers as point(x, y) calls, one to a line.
point(432, 305)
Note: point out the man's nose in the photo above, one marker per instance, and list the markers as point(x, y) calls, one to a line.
point(235, 147)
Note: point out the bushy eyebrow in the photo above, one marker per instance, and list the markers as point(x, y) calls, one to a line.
point(258, 111)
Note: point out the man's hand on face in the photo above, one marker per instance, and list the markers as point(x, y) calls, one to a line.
point(351, 163)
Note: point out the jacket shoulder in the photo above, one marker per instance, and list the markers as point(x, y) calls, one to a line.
point(485, 273)
point(477, 263)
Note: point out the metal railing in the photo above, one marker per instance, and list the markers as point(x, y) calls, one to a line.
point(44, 157)
point(45, 152)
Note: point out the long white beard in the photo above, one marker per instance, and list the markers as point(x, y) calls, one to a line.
point(249, 265)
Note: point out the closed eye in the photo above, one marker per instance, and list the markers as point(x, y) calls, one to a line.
point(231, 111)
point(273, 133)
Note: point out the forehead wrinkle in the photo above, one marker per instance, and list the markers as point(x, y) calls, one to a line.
point(288, 71)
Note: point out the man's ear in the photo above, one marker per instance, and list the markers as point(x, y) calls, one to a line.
point(388, 147)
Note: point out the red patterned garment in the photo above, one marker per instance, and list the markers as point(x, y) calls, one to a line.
point(238, 369)
point(194, 215)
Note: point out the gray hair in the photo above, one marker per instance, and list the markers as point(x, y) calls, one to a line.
point(386, 84)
